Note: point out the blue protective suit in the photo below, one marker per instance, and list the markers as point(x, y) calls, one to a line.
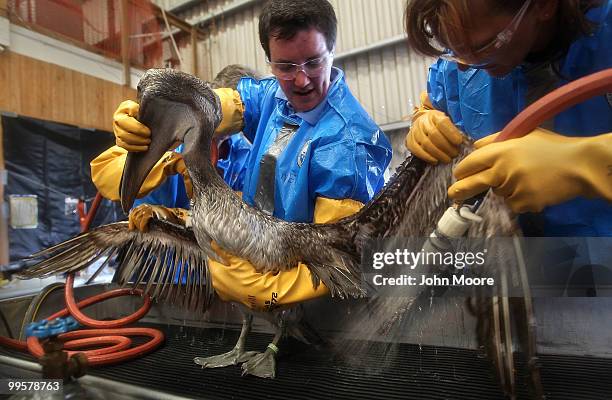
point(342, 156)
point(233, 165)
point(481, 105)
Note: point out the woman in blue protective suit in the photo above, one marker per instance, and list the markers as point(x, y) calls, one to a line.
point(495, 58)
point(316, 155)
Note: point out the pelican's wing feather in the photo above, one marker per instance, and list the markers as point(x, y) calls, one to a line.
point(166, 260)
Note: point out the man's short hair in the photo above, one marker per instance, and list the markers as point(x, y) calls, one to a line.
point(283, 19)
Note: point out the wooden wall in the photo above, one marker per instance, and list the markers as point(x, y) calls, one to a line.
point(4, 248)
point(46, 91)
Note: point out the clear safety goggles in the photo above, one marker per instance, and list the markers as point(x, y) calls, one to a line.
point(486, 54)
point(312, 68)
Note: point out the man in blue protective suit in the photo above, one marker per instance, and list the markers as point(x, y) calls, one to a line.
point(499, 56)
point(316, 155)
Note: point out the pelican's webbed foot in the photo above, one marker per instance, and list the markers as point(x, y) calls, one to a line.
point(233, 357)
point(262, 365)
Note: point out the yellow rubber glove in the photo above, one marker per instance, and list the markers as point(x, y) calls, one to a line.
point(232, 110)
point(240, 282)
point(537, 170)
point(172, 163)
point(433, 137)
point(140, 216)
point(129, 133)
point(107, 168)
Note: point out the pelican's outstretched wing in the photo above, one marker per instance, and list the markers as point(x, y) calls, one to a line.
point(167, 258)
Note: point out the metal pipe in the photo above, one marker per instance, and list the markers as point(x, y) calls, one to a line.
point(185, 6)
point(97, 382)
point(392, 41)
point(393, 126)
point(234, 7)
point(194, 51)
point(125, 42)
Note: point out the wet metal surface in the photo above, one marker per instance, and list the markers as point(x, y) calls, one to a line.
point(397, 371)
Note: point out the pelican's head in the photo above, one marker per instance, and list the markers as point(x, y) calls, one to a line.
point(177, 108)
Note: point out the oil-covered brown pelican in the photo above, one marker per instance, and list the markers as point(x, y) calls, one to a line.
point(181, 108)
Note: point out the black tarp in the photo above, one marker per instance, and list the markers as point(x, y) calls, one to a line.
point(51, 160)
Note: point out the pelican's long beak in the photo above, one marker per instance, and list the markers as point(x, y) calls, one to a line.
point(168, 121)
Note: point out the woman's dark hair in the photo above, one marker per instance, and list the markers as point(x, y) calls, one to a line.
point(429, 23)
point(283, 19)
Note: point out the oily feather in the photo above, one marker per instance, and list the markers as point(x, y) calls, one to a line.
point(158, 256)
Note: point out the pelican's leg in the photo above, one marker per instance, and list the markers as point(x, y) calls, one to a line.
point(237, 355)
point(263, 364)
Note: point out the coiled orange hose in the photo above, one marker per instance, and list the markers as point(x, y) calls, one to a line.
point(116, 337)
point(108, 332)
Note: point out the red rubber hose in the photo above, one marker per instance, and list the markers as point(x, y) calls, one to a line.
point(557, 101)
point(73, 307)
point(13, 343)
point(119, 342)
point(85, 339)
point(86, 223)
point(119, 349)
point(108, 355)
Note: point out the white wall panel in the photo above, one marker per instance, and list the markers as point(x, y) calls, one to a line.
point(387, 81)
point(5, 32)
point(395, 106)
point(362, 22)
